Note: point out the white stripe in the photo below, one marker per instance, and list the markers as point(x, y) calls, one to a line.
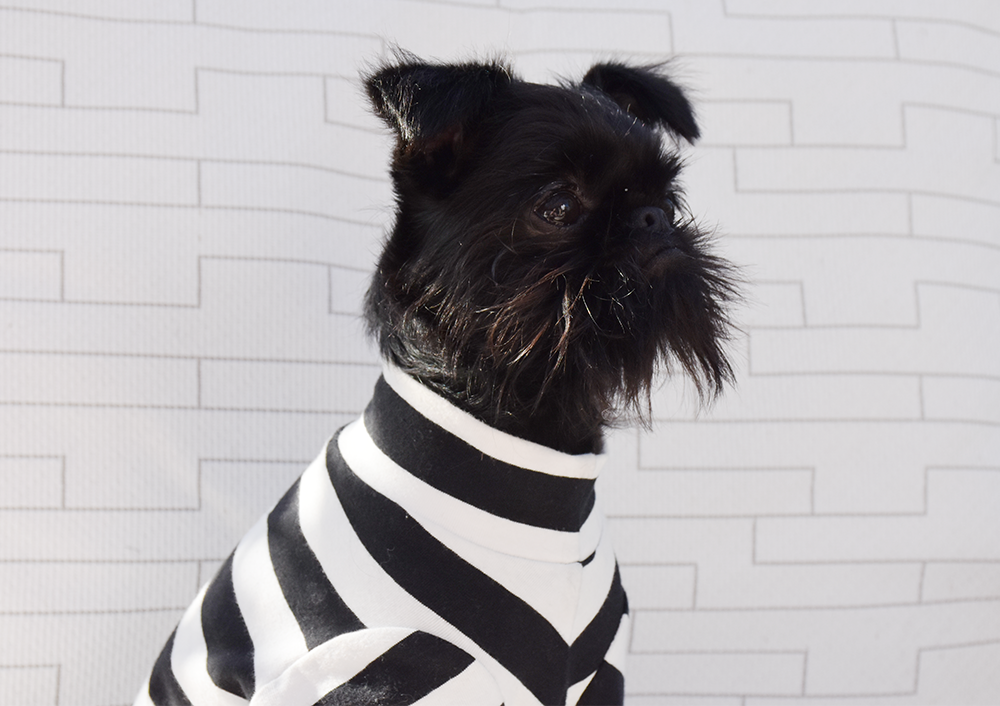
point(615, 657)
point(474, 686)
point(618, 651)
point(568, 596)
point(366, 589)
point(328, 666)
point(189, 661)
point(276, 636)
point(574, 692)
point(543, 585)
point(501, 446)
point(431, 505)
point(598, 576)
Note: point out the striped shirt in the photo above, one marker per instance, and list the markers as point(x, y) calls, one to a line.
point(423, 558)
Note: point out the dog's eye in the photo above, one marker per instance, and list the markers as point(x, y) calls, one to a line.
point(561, 209)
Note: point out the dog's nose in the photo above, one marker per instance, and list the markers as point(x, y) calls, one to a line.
point(651, 218)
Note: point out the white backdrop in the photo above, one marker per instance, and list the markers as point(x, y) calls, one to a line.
point(192, 194)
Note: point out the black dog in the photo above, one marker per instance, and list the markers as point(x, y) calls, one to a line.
point(540, 268)
point(446, 547)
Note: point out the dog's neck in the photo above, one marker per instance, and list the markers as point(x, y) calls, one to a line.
point(563, 419)
point(512, 480)
point(439, 404)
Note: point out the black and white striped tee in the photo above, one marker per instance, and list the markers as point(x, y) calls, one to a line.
point(423, 558)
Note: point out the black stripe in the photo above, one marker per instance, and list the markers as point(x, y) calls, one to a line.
point(442, 460)
point(607, 688)
point(503, 625)
point(590, 647)
point(319, 610)
point(230, 649)
point(403, 674)
point(163, 687)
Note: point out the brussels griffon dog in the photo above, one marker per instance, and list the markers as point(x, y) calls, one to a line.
point(446, 548)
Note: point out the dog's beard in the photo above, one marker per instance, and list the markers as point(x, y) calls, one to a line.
point(563, 335)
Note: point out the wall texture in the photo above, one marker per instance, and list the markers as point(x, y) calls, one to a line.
point(191, 196)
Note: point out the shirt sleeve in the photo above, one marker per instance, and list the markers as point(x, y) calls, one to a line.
point(385, 666)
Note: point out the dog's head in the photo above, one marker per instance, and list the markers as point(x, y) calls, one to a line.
point(542, 263)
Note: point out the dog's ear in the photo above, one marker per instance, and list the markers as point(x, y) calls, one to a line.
point(648, 94)
point(432, 108)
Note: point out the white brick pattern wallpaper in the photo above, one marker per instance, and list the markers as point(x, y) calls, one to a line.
point(192, 194)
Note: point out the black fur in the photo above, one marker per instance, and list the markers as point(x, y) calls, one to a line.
point(541, 268)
